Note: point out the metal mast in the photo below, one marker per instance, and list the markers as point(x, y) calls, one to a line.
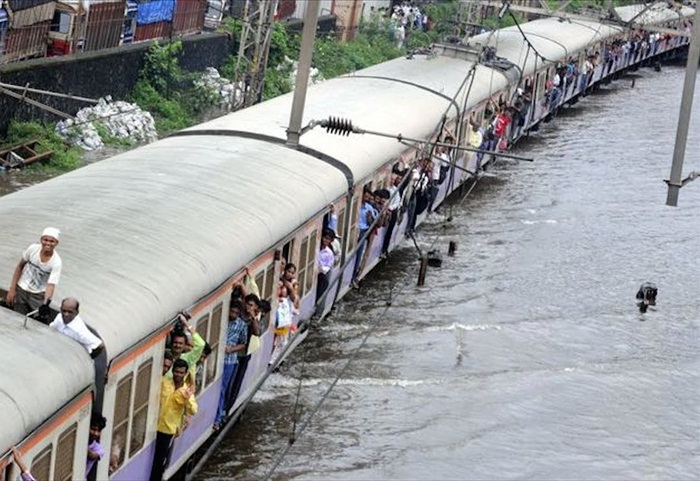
point(253, 49)
point(676, 182)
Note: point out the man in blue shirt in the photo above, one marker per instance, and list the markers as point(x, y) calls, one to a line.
point(367, 215)
point(236, 342)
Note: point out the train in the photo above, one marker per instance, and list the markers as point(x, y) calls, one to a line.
point(174, 225)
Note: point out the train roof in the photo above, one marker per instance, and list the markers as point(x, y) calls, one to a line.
point(153, 230)
point(657, 13)
point(141, 229)
point(42, 370)
point(399, 96)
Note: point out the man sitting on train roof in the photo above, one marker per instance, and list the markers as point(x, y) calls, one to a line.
point(36, 276)
point(69, 322)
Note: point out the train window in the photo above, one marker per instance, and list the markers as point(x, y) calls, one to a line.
point(354, 214)
point(288, 251)
point(267, 291)
point(311, 265)
point(140, 416)
point(214, 335)
point(41, 465)
point(341, 222)
point(5, 472)
point(65, 451)
point(203, 330)
point(121, 422)
point(301, 268)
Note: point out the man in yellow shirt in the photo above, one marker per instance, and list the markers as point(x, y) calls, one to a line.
point(176, 402)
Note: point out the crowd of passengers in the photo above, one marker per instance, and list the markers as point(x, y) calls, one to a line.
point(39, 269)
point(33, 283)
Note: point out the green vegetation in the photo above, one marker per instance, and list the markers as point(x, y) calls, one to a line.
point(167, 92)
point(64, 156)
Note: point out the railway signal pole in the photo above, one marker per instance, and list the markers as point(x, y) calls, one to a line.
point(675, 182)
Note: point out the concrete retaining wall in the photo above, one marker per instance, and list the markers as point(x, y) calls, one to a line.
point(96, 74)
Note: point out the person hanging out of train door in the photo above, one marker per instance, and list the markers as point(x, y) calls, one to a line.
point(325, 260)
point(393, 212)
point(176, 401)
point(95, 451)
point(24, 473)
point(178, 343)
point(366, 217)
point(36, 275)
point(251, 316)
point(236, 338)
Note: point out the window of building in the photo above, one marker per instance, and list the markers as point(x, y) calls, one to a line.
point(120, 430)
point(213, 339)
point(65, 451)
point(41, 465)
point(140, 417)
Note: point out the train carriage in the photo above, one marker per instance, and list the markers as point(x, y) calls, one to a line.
point(174, 225)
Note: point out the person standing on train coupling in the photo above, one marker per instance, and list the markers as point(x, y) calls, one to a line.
point(176, 401)
point(95, 451)
point(36, 275)
point(69, 323)
point(236, 338)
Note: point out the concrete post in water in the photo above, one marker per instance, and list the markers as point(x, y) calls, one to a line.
point(422, 271)
point(308, 37)
point(452, 248)
point(675, 183)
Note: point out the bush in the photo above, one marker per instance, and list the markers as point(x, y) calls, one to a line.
point(167, 92)
point(64, 156)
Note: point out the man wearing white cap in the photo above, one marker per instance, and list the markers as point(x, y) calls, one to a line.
point(36, 274)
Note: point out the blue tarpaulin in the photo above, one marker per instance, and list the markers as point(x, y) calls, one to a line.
point(155, 11)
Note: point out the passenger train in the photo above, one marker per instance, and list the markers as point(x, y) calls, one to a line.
point(174, 225)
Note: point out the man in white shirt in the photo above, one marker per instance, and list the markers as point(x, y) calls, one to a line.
point(36, 275)
point(68, 322)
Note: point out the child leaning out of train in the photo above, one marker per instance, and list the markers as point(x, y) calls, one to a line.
point(95, 451)
point(25, 475)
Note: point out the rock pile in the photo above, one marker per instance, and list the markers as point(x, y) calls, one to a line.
point(225, 92)
point(119, 119)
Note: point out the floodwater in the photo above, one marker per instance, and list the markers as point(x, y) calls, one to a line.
point(524, 356)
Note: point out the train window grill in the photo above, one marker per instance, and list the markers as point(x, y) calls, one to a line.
point(65, 451)
point(311, 266)
point(41, 465)
point(269, 282)
point(341, 222)
point(121, 421)
point(139, 419)
point(352, 240)
point(214, 335)
point(203, 330)
point(303, 260)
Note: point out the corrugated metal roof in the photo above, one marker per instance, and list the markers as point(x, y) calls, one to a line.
point(151, 231)
point(41, 371)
